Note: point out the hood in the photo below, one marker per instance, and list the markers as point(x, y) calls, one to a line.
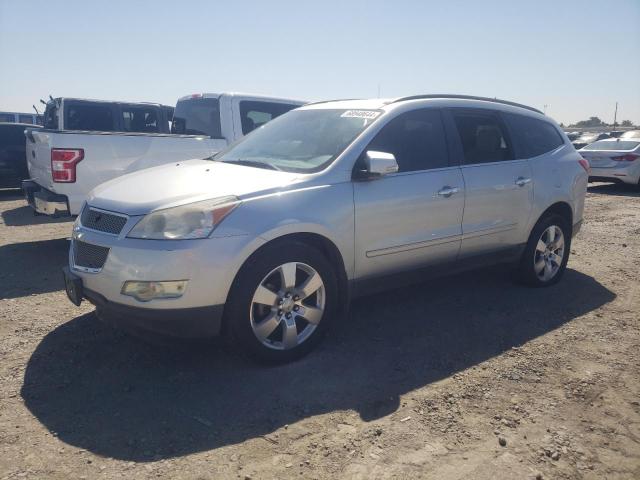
point(180, 183)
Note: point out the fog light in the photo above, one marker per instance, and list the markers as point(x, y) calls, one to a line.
point(145, 291)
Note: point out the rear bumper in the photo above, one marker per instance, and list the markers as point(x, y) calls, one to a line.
point(621, 174)
point(44, 201)
point(576, 228)
point(188, 323)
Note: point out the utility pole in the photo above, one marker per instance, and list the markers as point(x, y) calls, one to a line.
point(615, 117)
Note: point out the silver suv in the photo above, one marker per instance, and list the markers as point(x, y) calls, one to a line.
point(267, 241)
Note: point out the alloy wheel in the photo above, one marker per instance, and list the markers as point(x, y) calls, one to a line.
point(287, 306)
point(549, 253)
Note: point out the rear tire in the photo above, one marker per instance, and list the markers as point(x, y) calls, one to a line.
point(282, 302)
point(545, 257)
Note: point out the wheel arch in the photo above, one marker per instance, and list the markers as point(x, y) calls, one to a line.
point(559, 208)
point(322, 243)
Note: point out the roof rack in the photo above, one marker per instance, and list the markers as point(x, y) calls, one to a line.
point(466, 97)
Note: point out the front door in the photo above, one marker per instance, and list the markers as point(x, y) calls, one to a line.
point(411, 218)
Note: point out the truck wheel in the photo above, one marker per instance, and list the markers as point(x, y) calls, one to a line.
point(545, 257)
point(282, 302)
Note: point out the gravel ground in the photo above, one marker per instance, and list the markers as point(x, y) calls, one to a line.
point(470, 376)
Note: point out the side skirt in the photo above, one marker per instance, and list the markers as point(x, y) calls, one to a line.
point(366, 286)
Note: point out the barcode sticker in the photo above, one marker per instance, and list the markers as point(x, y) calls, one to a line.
point(370, 114)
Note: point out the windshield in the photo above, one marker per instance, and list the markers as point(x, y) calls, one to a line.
point(608, 145)
point(300, 141)
point(197, 116)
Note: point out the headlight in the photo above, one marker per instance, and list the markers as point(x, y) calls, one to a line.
point(195, 220)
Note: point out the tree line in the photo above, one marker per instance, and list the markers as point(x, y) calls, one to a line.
point(596, 122)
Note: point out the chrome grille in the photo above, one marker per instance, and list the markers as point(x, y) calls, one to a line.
point(86, 255)
point(102, 221)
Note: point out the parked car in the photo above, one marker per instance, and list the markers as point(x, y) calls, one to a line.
point(615, 133)
point(268, 241)
point(85, 142)
point(630, 134)
point(588, 138)
point(614, 160)
point(13, 162)
point(573, 135)
point(17, 117)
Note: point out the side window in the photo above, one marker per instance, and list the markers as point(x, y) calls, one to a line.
point(91, 117)
point(483, 137)
point(416, 139)
point(7, 117)
point(255, 114)
point(140, 119)
point(25, 119)
point(534, 137)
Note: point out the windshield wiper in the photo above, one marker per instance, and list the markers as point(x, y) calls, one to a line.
point(252, 163)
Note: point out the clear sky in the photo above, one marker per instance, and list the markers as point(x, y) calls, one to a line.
point(577, 57)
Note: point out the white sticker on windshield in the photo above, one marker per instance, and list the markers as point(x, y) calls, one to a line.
point(370, 114)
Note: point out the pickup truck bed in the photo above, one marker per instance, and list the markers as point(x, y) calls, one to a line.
point(106, 155)
point(65, 164)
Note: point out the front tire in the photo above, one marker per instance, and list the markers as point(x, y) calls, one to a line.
point(545, 257)
point(282, 302)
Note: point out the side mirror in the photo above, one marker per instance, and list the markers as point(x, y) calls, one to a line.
point(378, 164)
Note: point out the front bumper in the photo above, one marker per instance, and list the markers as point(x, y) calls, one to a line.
point(198, 322)
point(44, 201)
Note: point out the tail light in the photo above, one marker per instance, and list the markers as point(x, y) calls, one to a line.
point(629, 157)
point(585, 164)
point(63, 164)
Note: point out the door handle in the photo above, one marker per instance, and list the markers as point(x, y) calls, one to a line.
point(448, 191)
point(522, 181)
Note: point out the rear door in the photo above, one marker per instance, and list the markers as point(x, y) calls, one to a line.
point(411, 218)
point(499, 187)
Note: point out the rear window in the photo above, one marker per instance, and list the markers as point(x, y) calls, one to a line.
point(197, 116)
point(254, 114)
point(51, 116)
point(140, 119)
point(87, 116)
point(534, 137)
point(614, 146)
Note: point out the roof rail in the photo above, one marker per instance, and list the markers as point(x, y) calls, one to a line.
point(465, 97)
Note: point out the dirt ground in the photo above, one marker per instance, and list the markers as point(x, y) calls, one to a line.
point(467, 377)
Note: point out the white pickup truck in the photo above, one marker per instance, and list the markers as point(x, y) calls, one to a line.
point(86, 142)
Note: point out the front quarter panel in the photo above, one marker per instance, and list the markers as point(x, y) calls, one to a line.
point(325, 210)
